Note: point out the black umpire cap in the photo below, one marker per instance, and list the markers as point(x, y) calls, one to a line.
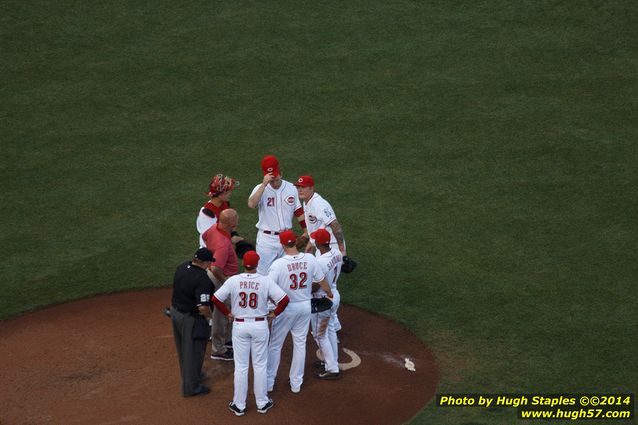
point(204, 254)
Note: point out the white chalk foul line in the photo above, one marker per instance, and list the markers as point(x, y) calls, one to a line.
point(355, 360)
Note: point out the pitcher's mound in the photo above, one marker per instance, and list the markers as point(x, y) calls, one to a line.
point(112, 360)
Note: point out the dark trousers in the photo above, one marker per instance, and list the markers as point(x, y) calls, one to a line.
point(190, 351)
point(222, 329)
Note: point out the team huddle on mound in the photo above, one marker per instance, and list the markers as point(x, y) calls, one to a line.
point(289, 279)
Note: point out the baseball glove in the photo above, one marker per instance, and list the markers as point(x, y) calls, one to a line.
point(317, 305)
point(242, 247)
point(348, 265)
point(302, 241)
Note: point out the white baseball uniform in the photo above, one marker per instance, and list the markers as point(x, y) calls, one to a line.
point(207, 217)
point(203, 223)
point(276, 208)
point(319, 214)
point(249, 294)
point(323, 323)
point(295, 275)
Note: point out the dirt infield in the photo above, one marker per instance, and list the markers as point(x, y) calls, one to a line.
point(111, 360)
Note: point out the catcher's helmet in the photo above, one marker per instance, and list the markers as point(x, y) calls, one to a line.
point(220, 184)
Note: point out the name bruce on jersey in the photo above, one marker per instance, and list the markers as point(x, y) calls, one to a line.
point(301, 265)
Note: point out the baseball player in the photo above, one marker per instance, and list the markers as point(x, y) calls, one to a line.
point(295, 273)
point(323, 323)
point(277, 202)
point(249, 293)
point(320, 214)
point(219, 191)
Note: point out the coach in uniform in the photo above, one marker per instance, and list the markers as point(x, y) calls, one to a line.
point(249, 293)
point(190, 312)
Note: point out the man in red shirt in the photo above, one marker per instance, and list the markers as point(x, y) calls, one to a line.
point(226, 264)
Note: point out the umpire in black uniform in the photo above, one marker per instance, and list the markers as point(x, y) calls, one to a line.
point(190, 312)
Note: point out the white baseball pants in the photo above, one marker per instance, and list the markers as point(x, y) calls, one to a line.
point(296, 320)
point(269, 249)
point(250, 337)
point(334, 325)
point(320, 323)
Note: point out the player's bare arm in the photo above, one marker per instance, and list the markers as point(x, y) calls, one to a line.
point(304, 238)
point(326, 287)
point(301, 218)
point(253, 200)
point(310, 249)
point(219, 274)
point(302, 223)
point(338, 232)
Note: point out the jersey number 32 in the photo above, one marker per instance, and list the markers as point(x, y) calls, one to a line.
point(298, 281)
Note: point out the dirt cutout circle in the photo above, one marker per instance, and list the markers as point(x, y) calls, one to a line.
point(112, 360)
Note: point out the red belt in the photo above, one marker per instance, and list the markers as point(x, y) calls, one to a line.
point(256, 319)
point(268, 232)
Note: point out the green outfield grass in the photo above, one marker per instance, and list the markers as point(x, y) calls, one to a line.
point(481, 157)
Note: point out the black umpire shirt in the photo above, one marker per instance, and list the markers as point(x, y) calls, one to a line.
point(191, 287)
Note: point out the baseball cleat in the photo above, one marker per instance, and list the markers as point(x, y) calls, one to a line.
point(318, 364)
point(295, 390)
point(266, 407)
point(329, 375)
point(236, 410)
point(227, 356)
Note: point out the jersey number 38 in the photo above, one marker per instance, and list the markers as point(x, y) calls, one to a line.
point(249, 300)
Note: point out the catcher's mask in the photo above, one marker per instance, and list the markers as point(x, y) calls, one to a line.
point(220, 184)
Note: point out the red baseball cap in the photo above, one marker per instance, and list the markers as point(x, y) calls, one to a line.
point(287, 236)
point(321, 236)
point(305, 181)
point(270, 164)
point(251, 259)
